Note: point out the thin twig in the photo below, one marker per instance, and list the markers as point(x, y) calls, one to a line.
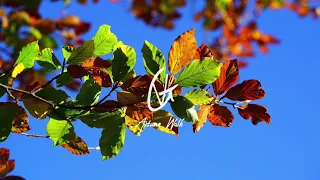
point(94, 148)
point(54, 78)
point(35, 135)
point(14, 98)
point(113, 89)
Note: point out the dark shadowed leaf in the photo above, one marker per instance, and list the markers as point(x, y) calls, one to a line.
point(220, 116)
point(89, 93)
point(82, 53)
point(112, 138)
point(13, 178)
point(247, 90)
point(101, 119)
point(256, 112)
point(64, 79)
point(229, 75)
point(184, 109)
point(7, 115)
point(52, 94)
point(153, 60)
point(76, 71)
point(77, 147)
point(48, 60)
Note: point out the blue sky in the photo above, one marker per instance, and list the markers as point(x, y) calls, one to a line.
point(288, 148)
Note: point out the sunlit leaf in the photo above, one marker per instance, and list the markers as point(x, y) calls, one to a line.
point(17, 70)
point(199, 97)
point(6, 167)
point(60, 131)
point(66, 51)
point(199, 73)
point(202, 114)
point(182, 51)
point(202, 52)
point(48, 60)
point(167, 122)
point(28, 54)
point(104, 40)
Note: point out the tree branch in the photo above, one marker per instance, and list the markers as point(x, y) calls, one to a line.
point(35, 135)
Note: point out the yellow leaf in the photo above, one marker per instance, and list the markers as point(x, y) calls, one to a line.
point(134, 125)
point(202, 114)
point(17, 70)
point(182, 51)
point(37, 108)
point(166, 122)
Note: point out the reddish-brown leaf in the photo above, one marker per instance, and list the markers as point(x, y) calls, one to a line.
point(202, 114)
point(220, 116)
point(229, 75)
point(177, 90)
point(4, 155)
point(82, 28)
point(76, 71)
point(6, 167)
point(247, 90)
point(256, 112)
point(101, 78)
point(77, 147)
point(96, 63)
point(140, 85)
point(20, 123)
point(203, 51)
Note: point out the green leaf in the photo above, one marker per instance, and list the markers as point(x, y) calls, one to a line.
point(199, 73)
point(101, 119)
point(153, 60)
point(184, 109)
point(199, 97)
point(48, 60)
point(60, 131)
point(36, 33)
point(28, 54)
point(104, 40)
point(68, 113)
point(48, 41)
point(4, 79)
point(123, 61)
point(82, 53)
point(7, 115)
point(112, 138)
point(89, 93)
point(51, 94)
point(64, 79)
point(66, 51)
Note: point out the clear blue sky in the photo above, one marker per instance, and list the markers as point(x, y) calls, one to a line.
point(288, 148)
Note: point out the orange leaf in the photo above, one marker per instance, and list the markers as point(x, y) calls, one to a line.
point(220, 116)
point(20, 122)
point(247, 90)
point(101, 78)
point(139, 111)
point(4, 155)
point(182, 51)
point(77, 147)
point(202, 114)
point(256, 112)
point(229, 75)
point(96, 63)
point(76, 71)
point(203, 51)
point(6, 167)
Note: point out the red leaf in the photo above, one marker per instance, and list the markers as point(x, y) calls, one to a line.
point(102, 78)
point(247, 90)
point(203, 51)
point(13, 178)
point(220, 116)
point(4, 155)
point(140, 85)
point(76, 71)
point(256, 112)
point(82, 28)
point(229, 75)
point(96, 63)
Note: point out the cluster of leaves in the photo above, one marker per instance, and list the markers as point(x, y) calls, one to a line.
point(188, 65)
point(21, 23)
point(6, 166)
